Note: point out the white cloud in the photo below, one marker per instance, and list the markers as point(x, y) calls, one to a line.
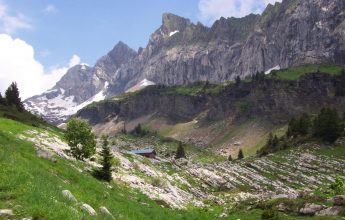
point(75, 60)
point(17, 63)
point(9, 23)
point(50, 9)
point(210, 10)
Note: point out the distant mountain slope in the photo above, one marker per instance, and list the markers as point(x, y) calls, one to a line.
point(80, 86)
point(287, 34)
point(222, 116)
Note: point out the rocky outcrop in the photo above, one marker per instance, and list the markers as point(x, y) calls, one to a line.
point(311, 209)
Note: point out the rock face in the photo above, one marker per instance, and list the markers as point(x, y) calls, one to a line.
point(290, 33)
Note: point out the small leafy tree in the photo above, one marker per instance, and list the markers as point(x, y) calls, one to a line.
point(327, 125)
point(12, 97)
point(80, 138)
point(240, 155)
point(180, 151)
point(105, 172)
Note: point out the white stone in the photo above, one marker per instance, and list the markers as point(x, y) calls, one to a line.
point(68, 195)
point(88, 209)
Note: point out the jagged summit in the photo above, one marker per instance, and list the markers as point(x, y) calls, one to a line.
point(171, 22)
point(121, 53)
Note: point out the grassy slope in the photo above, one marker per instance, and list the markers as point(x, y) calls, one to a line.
point(32, 186)
point(295, 73)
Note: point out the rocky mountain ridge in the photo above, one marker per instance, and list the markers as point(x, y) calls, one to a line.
point(287, 34)
point(212, 112)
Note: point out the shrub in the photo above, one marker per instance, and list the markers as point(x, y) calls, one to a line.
point(338, 186)
point(270, 214)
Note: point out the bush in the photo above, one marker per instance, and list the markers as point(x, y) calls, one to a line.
point(270, 214)
point(338, 186)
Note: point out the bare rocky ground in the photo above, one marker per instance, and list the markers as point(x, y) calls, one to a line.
point(184, 182)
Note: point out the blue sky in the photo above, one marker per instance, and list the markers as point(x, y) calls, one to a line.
point(90, 28)
point(41, 39)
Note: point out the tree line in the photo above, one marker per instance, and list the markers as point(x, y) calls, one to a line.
point(326, 126)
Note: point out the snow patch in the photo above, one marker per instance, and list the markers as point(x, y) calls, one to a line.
point(142, 84)
point(173, 32)
point(270, 70)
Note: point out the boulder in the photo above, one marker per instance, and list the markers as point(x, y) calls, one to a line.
point(282, 207)
point(311, 209)
point(6, 212)
point(331, 211)
point(104, 210)
point(68, 195)
point(42, 153)
point(339, 198)
point(88, 209)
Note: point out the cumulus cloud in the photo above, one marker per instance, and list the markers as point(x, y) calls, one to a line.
point(50, 9)
point(210, 10)
point(10, 23)
point(17, 63)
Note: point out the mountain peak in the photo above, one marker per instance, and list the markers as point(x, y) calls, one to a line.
point(173, 22)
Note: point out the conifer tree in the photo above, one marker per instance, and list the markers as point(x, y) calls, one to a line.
point(327, 125)
point(230, 158)
point(12, 97)
point(105, 172)
point(240, 155)
point(2, 100)
point(180, 151)
point(238, 81)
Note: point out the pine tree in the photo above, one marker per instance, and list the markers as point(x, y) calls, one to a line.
point(2, 100)
point(180, 151)
point(237, 81)
point(105, 172)
point(327, 125)
point(12, 97)
point(230, 158)
point(240, 155)
point(291, 128)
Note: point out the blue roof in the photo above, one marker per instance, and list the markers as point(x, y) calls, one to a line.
point(143, 151)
